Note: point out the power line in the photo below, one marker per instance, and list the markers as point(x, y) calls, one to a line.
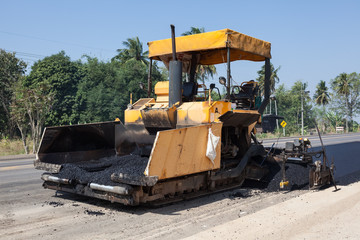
point(29, 59)
point(29, 54)
point(25, 54)
point(55, 41)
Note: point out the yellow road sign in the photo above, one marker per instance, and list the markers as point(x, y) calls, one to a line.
point(283, 123)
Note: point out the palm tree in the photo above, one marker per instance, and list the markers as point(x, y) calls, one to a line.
point(322, 98)
point(205, 71)
point(202, 71)
point(342, 85)
point(321, 95)
point(193, 30)
point(335, 119)
point(133, 51)
point(274, 78)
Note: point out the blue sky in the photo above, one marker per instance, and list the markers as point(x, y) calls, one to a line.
point(311, 40)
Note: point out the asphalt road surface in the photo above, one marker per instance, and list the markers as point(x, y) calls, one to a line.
point(27, 211)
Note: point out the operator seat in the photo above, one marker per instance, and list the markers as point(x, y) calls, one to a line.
point(246, 94)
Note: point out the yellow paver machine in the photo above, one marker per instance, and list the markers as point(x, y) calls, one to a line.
point(177, 145)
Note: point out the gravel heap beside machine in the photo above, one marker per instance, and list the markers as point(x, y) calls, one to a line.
point(180, 144)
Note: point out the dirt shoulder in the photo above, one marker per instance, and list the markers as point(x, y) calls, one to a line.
point(315, 215)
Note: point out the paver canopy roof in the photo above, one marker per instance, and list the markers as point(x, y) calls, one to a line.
point(211, 48)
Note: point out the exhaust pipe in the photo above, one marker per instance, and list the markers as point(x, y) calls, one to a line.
point(49, 178)
point(173, 42)
point(175, 71)
point(122, 190)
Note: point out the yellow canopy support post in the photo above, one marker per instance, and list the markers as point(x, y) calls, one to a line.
point(209, 97)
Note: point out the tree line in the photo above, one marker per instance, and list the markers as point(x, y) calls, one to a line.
point(59, 91)
point(334, 103)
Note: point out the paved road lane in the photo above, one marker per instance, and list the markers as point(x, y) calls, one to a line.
point(343, 148)
point(15, 172)
point(327, 139)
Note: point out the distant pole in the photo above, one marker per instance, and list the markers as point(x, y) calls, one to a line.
point(149, 79)
point(302, 108)
point(277, 120)
point(302, 112)
point(284, 131)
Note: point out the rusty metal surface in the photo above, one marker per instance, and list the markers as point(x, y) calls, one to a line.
point(78, 137)
point(77, 143)
point(158, 118)
point(256, 172)
point(320, 175)
point(140, 103)
point(133, 139)
point(49, 167)
point(236, 119)
point(254, 150)
point(134, 180)
point(87, 191)
point(74, 156)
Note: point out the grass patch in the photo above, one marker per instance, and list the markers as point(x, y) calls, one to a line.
point(278, 134)
point(12, 147)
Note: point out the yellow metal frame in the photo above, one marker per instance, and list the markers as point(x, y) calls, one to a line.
point(162, 91)
point(193, 113)
point(182, 151)
point(133, 115)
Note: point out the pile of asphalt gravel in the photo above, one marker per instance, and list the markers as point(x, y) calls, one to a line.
point(296, 174)
point(99, 171)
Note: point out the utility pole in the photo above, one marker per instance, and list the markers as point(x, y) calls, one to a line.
point(302, 108)
point(302, 111)
point(276, 113)
point(273, 98)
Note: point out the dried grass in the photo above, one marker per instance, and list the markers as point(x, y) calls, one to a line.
point(12, 147)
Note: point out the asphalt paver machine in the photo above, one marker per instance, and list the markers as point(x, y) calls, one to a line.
point(180, 143)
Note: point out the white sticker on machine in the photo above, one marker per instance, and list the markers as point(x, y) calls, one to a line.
point(211, 146)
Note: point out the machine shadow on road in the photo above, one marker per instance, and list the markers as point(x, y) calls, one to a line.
point(166, 209)
point(239, 194)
